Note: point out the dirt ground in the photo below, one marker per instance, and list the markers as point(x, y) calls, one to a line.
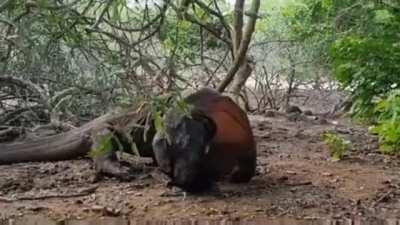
point(296, 177)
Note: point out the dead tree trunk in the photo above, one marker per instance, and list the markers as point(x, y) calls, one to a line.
point(241, 42)
point(243, 74)
point(291, 80)
point(60, 147)
point(69, 145)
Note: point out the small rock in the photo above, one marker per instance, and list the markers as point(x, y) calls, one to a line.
point(260, 210)
point(269, 113)
point(293, 109)
point(308, 112)
point(386, 182)
point(336, 180)
point(291, 172)
point(97, 208)
point(112, 211)
point(283, 178)
point(323, 121)
point(35, 208)
point(326, 174)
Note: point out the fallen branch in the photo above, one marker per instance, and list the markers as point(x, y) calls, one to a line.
point(72, 144)
point(83, 192)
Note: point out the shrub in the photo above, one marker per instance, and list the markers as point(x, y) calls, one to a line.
point(337, 145)
point(388, 123)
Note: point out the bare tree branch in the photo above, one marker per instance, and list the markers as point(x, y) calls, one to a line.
point(237, 25)
point(244, 44)
point(209, 27)
point(217, 13)
point(26, 84)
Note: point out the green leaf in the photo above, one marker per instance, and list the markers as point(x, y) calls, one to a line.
point(159, 122)
point(106, 146)
point(338, 146)
point(383, 16)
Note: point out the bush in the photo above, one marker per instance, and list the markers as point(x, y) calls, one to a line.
point(367, 62)
point(337, 145)
point(368, 67)
point(388, 123)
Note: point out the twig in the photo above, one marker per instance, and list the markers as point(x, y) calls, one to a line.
point(100, 18)
point(383, 198)
point(300, 183)
point(83, 192)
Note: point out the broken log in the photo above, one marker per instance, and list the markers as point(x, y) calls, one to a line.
point(70, 145)
point(58, 147)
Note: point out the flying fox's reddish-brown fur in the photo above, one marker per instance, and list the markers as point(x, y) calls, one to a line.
point(233, 149)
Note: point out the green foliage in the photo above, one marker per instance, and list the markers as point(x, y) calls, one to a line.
point(160, 105)
point(367, 66)
point(159, 122)
point(105, 147)
point(366, 62)
point(388, 123)
point(360, 40)
point(383, 16)
point(337, 145)
point(53, 48)
point(181, 38)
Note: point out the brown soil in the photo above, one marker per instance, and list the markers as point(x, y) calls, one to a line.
point(296, 177)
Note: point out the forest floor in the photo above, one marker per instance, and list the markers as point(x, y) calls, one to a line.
point(295, 177)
